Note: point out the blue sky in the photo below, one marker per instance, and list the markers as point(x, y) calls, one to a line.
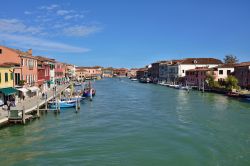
point(127, 33)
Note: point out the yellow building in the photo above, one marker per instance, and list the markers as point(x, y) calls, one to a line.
point(6, 76)
point(6, 84)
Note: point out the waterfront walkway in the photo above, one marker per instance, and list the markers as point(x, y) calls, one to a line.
point(30, 104)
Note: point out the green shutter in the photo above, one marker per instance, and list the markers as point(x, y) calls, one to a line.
point(6, 77)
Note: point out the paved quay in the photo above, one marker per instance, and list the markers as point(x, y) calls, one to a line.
point(31, 103)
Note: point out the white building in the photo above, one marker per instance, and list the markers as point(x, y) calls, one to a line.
point(177, 68)
point(223, 71)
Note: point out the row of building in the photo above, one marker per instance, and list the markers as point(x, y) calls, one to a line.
point(98, 71)
point(194, 71)
point(22, 73)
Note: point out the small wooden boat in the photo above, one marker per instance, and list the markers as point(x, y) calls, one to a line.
point(233, 94)
point(62, 104)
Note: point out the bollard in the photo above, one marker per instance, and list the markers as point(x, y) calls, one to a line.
point(38, 111)
point(23, 116)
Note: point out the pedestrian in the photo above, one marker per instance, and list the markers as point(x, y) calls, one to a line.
point(23, 97)
point(8, 104)
point(43, 95)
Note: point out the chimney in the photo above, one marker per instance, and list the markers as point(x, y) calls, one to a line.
point(30, 51)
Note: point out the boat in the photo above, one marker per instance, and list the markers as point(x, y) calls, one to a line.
point(77, 84)
point(62, 104)
point(184, 88)
point(88, 90)
point(133, 79)
point(233, 94)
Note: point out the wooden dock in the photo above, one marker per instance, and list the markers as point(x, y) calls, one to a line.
point(22, 112)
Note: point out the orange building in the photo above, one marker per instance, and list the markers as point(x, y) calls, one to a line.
point(25, 70)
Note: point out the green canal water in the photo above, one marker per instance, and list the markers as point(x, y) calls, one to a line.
point(129, 123)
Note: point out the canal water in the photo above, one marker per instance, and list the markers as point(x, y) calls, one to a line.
point(129, 123)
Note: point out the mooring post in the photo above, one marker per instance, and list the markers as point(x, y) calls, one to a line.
point(91, 95)
point(23, 116)
point(78, 103)
point(38, 111)
point(76, 106)
point(59, 107)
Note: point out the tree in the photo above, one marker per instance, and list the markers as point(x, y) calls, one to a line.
point(231, 83)
point(210, 80)
point(230, 59)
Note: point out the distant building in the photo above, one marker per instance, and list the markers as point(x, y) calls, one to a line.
point(132, 72)
point(242, 73)
point(177, 68)
point(142, 73)
point(121, 72)
point(88, 72)
point(107, 72)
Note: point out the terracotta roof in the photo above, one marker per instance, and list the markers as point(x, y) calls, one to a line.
point(200, 69)
point(226, 66)
point(41, 58)
point(201, 61)
point(10, 64)
point(243, 64)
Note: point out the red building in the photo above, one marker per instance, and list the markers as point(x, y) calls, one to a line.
point(242, 73)
point(43, 72)
point(197, 77)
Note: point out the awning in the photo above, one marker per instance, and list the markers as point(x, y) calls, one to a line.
point(33, 88)
point(24, 90)
point(8, 91)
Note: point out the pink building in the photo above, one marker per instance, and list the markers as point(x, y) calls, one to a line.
point(60, 70)
point(197, 77)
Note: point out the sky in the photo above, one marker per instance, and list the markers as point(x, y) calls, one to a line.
point(127, 33)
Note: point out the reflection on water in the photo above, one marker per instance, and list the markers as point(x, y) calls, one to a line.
point(130, 123)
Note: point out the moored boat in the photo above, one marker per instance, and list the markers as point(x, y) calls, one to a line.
point(233, 94)
point(88, 91)
point(62, 104)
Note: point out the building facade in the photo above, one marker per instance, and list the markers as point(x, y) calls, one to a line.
point(121, 72)
point(177, 68)
point(107, 72)
point(242, 73)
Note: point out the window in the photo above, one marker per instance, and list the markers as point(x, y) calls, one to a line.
point(220, 72)
point(0, 77)
point(1, 51)
point(228, 72)
point(6, 77)
point(11, 76)
point(183, 71)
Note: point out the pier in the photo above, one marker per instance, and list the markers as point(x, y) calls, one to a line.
point(22, 111)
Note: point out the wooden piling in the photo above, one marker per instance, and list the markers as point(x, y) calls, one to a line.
point(23, 116)
point(38, 111)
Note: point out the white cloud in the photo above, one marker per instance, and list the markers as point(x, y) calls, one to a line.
point(41, 44)
point(27, 12)
point(81, 31)
point(50, 7)
point(63, 12)
point(16, 26)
